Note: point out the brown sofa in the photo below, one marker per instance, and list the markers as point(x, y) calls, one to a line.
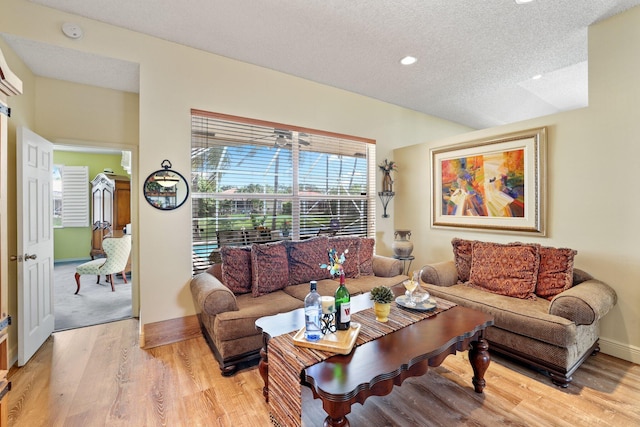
point(552, 326)
point(249, 284)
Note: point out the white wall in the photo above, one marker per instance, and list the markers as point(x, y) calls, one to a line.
point(173, 80)
point(592, 170)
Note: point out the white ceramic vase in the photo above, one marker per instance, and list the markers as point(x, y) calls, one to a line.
point(402, 246)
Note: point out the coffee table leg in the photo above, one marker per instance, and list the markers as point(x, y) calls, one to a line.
point(336, 413)
point(263, 366)
point(333, 422)
point(479, 359)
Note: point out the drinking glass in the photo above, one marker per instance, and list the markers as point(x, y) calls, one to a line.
point(410, 285)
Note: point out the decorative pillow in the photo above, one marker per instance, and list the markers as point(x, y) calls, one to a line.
point(462, 257)
point(510, 269)
point(305, 258)
point(351, 264)
point(236, 268)
point(269, 267)
point(556, 271)
point(365, 255)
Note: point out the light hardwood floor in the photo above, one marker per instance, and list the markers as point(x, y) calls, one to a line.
point(98, 376)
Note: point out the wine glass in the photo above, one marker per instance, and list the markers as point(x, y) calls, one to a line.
point(410, 285)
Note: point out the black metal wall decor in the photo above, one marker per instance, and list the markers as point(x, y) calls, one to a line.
point(166, 189)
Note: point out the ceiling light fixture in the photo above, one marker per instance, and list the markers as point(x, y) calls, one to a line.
point(408, 60)
point(523, 1)
point(536, 77)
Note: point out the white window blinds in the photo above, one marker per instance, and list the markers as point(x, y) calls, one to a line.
point(278, 181)
point(75, 196)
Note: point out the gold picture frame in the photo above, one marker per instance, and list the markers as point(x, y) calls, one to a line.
point(493, 184)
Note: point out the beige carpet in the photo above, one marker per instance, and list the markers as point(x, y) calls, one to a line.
point(94, 304)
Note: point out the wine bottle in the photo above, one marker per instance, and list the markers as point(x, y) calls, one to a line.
point(343, 306)
point(312, 311)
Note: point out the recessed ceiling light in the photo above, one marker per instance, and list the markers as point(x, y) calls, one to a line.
point(523, 1)
point(537, 77)
point(408, 60)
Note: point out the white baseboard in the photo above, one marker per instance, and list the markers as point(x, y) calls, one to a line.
point(621, 351)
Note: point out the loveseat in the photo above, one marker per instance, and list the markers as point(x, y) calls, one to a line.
point(546, 311)
point(266, 279)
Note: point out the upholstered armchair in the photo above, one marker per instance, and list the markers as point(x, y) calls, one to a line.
point(117, 250)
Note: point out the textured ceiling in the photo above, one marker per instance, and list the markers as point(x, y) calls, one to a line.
point(475, 58)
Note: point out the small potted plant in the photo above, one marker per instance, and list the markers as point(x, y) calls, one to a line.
point(382, 297)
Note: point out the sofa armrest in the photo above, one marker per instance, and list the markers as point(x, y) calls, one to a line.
point(211, 296)
point(440, 273)
point(585, 303)
point(384, 266)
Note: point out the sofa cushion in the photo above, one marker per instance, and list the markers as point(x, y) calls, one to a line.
point(529, 318)
point(242, 323)
point(462, 257)
point(270, 268)
point(236, 268)
point(325, 287)
point(555, 274)
point(365, 255)
point(305, 258)
point(505, 269)
point(342, 244)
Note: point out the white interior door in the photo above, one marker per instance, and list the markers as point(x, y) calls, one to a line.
point(35, 242)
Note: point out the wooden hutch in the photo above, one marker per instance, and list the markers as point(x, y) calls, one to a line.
point(110, 208)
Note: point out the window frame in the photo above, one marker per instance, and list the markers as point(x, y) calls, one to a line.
point(297, 198)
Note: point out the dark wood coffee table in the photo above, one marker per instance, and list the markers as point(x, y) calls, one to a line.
point(373, 368)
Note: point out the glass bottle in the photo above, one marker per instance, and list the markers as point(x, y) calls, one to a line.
point(312, 313)
point(343, 305)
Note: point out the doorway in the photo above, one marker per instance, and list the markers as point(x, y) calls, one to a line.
point(95, 303)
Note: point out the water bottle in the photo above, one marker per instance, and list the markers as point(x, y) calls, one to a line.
point(312, 313)
point(343, 306)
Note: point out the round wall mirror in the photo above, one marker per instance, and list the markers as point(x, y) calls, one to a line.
point(166, 189)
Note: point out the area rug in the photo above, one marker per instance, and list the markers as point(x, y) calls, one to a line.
point(94, 304)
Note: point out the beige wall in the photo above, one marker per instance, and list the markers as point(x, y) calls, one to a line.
point(173, 80)
point(592, 170)
point(93, 115)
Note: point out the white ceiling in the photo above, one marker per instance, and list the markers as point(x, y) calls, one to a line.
point(476, 59)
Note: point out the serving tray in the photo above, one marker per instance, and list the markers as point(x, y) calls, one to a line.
point(427, 305)
point(340, 342)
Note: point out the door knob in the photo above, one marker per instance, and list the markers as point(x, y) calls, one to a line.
point(16, 258)
point(27, 256)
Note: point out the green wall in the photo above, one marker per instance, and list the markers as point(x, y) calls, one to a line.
point(74, 243)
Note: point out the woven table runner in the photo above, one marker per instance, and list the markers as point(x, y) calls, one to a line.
point(287, 361)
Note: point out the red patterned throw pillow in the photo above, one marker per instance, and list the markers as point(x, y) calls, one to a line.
point(556, 271)
point(270, 268)
point(236, 268)
point(462, 257)
point(365, 255)
point(510, 269)
point(305, 258)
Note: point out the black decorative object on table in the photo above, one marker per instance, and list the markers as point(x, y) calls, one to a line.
point(328, 323)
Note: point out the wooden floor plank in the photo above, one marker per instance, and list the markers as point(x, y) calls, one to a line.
point(98, 376)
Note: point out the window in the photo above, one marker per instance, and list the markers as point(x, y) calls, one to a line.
point(57, 196)
point(70, 196)
point(268, 182)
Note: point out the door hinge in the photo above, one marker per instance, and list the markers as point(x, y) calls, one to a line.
point(5, 110)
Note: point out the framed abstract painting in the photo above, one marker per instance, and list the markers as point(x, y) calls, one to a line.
point(496, 183)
